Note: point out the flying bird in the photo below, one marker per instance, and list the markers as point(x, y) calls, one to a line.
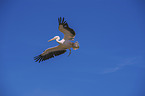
point(64, 43)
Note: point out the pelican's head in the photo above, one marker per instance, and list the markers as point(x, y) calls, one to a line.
point(54, 38)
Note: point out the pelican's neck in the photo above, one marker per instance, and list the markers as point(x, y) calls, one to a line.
point(57, 40)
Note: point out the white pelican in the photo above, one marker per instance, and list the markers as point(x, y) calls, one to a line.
point(64, 44)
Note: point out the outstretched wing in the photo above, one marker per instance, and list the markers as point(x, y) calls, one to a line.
point(69, 33)
point(49, 53)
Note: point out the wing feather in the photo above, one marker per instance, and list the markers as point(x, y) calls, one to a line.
point(69, 33)
point(50, 53)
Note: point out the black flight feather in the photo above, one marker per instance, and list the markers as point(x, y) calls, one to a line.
point(65, 25)
point(40, 58)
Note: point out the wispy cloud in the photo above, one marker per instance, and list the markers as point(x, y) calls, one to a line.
point(110, 70)
point(126, 62)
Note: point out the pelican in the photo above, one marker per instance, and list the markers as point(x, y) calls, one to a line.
point(64, 43)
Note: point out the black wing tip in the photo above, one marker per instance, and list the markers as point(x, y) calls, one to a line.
point(61, 21)
point(38, 58)
point(65, 25)
point(41, 58)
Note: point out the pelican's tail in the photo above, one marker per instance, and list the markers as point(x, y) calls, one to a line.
point(76, 45)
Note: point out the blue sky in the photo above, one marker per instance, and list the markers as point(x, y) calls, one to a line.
point(109, 62)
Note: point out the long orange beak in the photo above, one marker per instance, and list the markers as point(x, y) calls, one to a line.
point(51, 39)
